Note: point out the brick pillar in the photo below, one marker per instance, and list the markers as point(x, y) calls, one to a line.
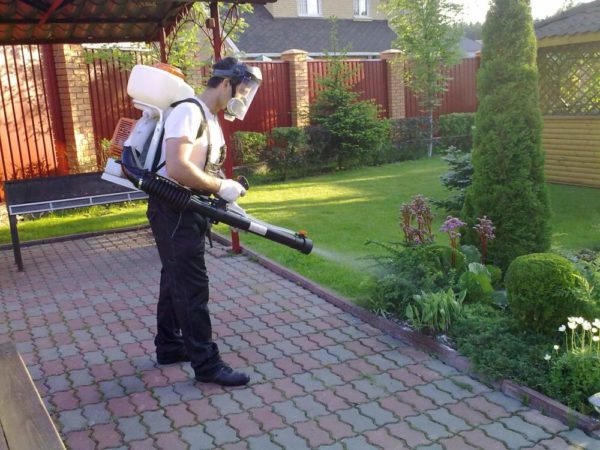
point(298, 85)
point(76, 106)
point(395, 76)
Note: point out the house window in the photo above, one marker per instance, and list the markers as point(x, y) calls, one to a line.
point(361, 8)
point(309, 7)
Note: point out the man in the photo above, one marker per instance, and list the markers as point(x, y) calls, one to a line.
point(192, 153)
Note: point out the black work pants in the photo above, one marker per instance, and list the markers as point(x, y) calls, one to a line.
point(184, 292)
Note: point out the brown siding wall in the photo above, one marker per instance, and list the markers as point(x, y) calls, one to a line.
point(572, 146)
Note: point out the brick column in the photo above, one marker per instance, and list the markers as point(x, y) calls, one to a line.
point(298, 85)
point(76, 106)
point(395, 75)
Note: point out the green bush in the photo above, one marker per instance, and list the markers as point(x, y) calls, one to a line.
point(357, 134)
point(456, 130)
point(499, 347)
point(574, 377)
point(543, 290)
point(249, 146)
point(508, 177)
point(496, 274)
point(409, 138)
point(406, 271)
point(287, 152)
point(477, 282)
point(471, 253)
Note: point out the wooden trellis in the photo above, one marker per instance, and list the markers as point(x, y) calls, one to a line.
point(570, 79)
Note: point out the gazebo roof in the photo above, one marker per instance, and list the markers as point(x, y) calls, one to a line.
point(584, 18)
point(87, 21)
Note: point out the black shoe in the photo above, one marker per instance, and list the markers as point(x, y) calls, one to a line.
point(224, 376)
point(172, 358)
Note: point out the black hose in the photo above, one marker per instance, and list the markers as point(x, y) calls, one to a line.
point(181, 198)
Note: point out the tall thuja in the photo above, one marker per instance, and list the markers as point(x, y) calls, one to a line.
point(508, 163)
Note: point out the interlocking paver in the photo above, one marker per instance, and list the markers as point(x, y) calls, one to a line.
point(288, 439)
point(263, 442)
point(315, 436)
point(356, 420)
point(432, 430)
point(132, 428)
point(320, 377)
point(197, 438)
point(532, 432)
point(220, 431)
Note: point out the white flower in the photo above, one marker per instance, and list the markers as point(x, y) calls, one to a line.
point(594, 330)
point(556, 347)
point(562, 328)
point(579, 320)
point(572, 325)
point(571, 319)
point(547, 357)
point(596, 338)
point(587, 326)
point(597, 323)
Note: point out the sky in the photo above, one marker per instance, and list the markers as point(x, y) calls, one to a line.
point(475, 10)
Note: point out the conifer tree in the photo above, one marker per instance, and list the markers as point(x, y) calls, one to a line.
point(508, 180)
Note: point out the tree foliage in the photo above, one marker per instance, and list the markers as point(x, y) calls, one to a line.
point(429, 38)
point(184, 45)
point(508, 179)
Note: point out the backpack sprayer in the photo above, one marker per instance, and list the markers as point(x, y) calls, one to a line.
point(132, 171)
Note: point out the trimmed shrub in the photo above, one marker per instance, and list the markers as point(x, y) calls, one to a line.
point(456, 130)
point(508, 178)
point(574, 377)
point(249, 146)
point(543, 290)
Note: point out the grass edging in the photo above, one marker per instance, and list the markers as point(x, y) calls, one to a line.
point(447, 355)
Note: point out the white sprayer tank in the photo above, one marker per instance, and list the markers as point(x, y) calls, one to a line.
point(157, 87)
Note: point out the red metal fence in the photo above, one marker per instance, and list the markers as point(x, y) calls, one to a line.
point(27, 147)
point(461, 95)
point(368, 78)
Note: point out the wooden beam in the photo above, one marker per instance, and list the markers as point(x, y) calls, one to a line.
point(25, 421)
point(581, 38)
point(53, 7)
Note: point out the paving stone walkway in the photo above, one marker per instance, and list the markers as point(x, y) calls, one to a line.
point(82, 316)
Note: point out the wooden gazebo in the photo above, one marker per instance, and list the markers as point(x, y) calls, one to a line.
point(569, 67)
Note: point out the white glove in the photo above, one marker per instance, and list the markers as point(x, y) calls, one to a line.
point(231, 190)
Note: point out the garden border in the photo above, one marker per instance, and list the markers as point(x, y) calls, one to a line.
point(531, 397)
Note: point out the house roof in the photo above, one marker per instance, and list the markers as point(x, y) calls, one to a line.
point(87, 21)
point(269, 35)
point(584, 18)
point(469, 45)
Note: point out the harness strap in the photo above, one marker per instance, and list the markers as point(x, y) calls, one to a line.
point(156, 164)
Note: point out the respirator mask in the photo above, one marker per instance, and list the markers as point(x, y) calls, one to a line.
point(245, 82)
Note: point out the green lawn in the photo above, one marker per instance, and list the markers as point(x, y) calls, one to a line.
point(340, 212)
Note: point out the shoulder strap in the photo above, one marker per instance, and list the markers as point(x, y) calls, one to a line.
point(156, 164)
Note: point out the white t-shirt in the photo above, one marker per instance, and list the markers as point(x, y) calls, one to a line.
point(184, 121)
